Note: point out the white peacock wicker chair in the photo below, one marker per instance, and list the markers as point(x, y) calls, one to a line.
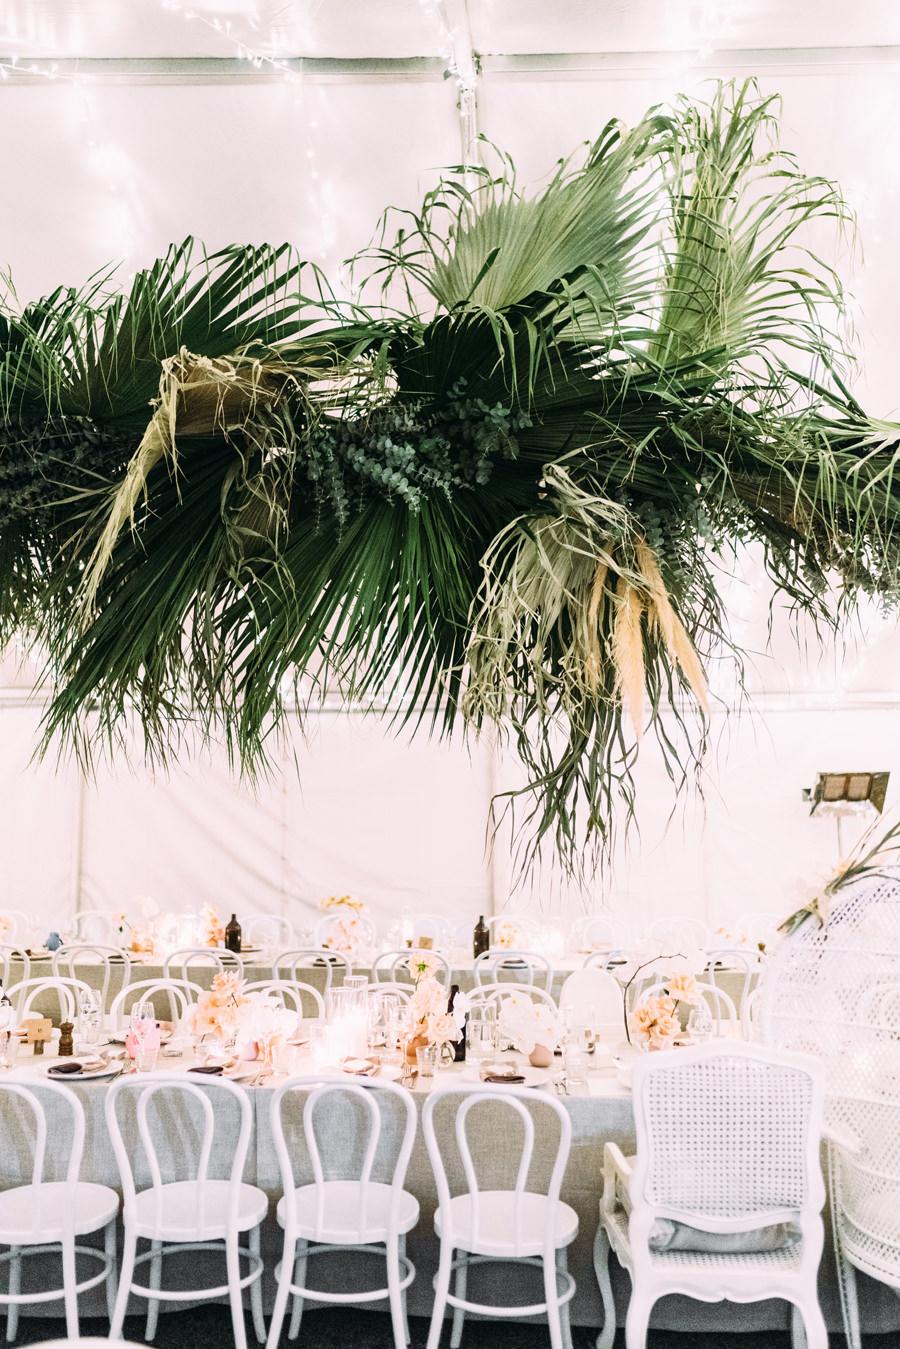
point(832, 988)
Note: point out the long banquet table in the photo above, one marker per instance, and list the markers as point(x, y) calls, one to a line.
point(605, 1112)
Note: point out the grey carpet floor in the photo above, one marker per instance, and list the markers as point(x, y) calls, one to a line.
point(210, 1328)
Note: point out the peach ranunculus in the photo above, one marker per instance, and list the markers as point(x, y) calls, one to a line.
point(683, 988)
point(217, 1009)
point(655, 1022)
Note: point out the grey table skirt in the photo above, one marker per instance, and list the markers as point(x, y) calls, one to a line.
point(595, 1119)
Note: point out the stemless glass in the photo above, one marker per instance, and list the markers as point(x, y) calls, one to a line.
point(90, 1016)
point(481, 1031)
point(700, 1025)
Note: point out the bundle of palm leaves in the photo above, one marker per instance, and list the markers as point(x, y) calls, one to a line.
point(498, 489)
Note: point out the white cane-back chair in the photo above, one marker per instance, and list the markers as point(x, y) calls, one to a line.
point(10, 955)
point(67, 960)
point(350, 1213)
point(27, 992)
point(179, 963)
point(721, 1008)
point(394, 966)
point(292, 993)
point(46, 1215)
point(287, 963)
point(269, 930)
point(504, 1223)
point(724, 1198)
point(181, 995)
point(522, 967)
point(194, 1212)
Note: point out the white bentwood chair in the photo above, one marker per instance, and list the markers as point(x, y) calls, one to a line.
point(67, 959)
point(26, 992)
point(268, 929)
point(287, 963)
point(514, 929)
point(328, 930)
point(347, 1214)
point(495, 993)
point(393, 966)
point(178, 963)
point(8, 954)
point(181, 993)
point(678, 931)
point(403, 991)
point(734, 962)
point(500, 1224)
point(195, 1212)
point(728, 1138)
point(45, 1214)
point(524, 967)
point(292, 993)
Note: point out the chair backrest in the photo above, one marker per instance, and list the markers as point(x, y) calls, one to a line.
point(202, 1092)
point(484, 993)
point(14, 925)
point(179, 962)
point(8, 954)
point(524, 967)
point(292, 993)
point(735, 963)
point(722, 1009)
point(68, 991)
point(351, 933)
point(728, 1138)
point(599, 931)
point(432, 925)
point(593, 995)
point(66, 960)
point(677, 931)
point(30, 1095)
point(394, 966)
point(325, 1089)
point(181, 994)
point(268, 929)
point(619, 958)
point(287, 963)
point(95, 925)
point(403, 991)
point(750, 1014)
point(512, 1110)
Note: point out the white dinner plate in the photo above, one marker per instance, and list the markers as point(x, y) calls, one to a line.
point(110, 1070)
point(534, 1077)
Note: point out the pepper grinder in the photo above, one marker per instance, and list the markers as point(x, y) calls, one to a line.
point(66, 1043)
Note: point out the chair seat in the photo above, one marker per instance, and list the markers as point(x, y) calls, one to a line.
point(345, 1202)
point(197, 1210)
point(754, 1263)
point(497, 1223)
point(26, 1220)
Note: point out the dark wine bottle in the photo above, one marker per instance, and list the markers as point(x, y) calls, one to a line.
point(481, 938)
point(459, 1047)
point(233, 935)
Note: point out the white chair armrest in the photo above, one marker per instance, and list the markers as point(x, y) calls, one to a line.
point(616, 1174)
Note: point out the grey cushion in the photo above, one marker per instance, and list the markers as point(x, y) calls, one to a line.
point(667, 1235)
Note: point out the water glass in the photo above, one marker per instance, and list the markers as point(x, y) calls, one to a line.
point(481, 1032)
point(700, 1025)
point(426, 1060)
point(576, 1056)
point(142, 1013)
point(145, 1055)
point(90, 1016)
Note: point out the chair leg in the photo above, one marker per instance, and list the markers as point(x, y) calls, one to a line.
point(281, 1296)
point(459, 1290)
point(808, 1326)
point(551, 1297)
point(849, 1299)
point(235, 1293)
point(562, 1264)
point(126, 1274)
point(70, 1280)
point(441, 1289)
point(398, 1319)
point(109, 1246)
point(402, 1249)
point(256, 1302)
point(300, 1265)
point(637, 1320)
point(15, 1286)
point(155, 1281)
point(601, 1269)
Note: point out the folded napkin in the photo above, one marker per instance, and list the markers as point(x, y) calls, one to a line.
point(210, 1069)
point(498, 1075)
point(76, 1066)
point(360, 1067)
